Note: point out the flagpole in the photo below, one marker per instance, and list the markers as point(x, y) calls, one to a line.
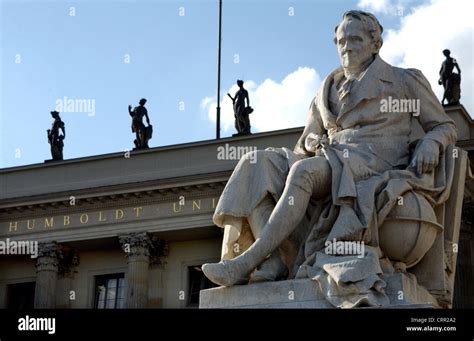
point(218, 109)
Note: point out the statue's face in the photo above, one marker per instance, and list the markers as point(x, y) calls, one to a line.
point(354, 44)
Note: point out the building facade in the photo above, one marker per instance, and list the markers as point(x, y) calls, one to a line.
point(131, 229)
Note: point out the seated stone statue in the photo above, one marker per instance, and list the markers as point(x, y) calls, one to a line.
point(349, 170)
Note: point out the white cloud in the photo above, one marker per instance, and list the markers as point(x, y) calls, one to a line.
point(428, 30)
point(386, 7)
point(276, 105)
point(376, 6)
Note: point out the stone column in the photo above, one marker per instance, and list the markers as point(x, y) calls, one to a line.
point(66, 287)
point(46, 275)
point(137, 248)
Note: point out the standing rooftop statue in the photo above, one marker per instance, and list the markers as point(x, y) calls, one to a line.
point(143, 134)
point(55, 139)
point(352, 206)
point(451, 81)
point(241, 110)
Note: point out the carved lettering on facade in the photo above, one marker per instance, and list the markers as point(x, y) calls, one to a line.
point(48, 222)
point(84, 218)
point(101, 216)
point(137, 210)
point(13, 226)
point(118, 214)
point(109, 216)
point(30, 224)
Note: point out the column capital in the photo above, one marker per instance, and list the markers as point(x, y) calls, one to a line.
point(68, 261)
point(142, 244)
point(48, 249)
point(136, 244)
point(48, 256)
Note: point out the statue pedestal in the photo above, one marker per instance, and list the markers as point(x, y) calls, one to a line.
point(402, 290)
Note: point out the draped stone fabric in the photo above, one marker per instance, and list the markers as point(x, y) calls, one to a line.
point(369, 154)
point(374, 198)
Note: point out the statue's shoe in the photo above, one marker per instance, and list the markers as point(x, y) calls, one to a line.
point(270, 270)
point(225, 273)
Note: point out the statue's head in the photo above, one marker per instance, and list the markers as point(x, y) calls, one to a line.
point(142, 101)
point(446, 53)
point(55, 114)
point(240, 83)
point(358, 38)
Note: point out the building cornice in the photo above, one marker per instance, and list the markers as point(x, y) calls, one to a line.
point(124, 195)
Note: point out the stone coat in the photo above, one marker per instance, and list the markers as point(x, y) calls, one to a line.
point(361, 122)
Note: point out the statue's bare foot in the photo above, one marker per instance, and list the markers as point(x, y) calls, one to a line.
point(226, 273)
point(270, 270)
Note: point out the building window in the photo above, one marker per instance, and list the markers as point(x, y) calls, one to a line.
point(21, 296)
point(197, 281)
point(110, 291)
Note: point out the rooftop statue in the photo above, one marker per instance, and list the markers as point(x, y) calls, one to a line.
point(451, 81)
point(143, 133)
point(242, 110)
point(55, 139)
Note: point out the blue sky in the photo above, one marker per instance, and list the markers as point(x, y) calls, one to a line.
point(48, 53)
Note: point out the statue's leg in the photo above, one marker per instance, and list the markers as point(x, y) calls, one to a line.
point(249, 197)
point(56, 152)
point(247, 124)
point(241, 126)
point(260, 215)
point(138, 144)
point(273, 267)
point(232, 228)
point(257, 175)
point(308, 177)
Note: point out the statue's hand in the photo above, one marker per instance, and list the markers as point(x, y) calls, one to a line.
point(426, 157)
point(313, 142)
point(129, 107)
